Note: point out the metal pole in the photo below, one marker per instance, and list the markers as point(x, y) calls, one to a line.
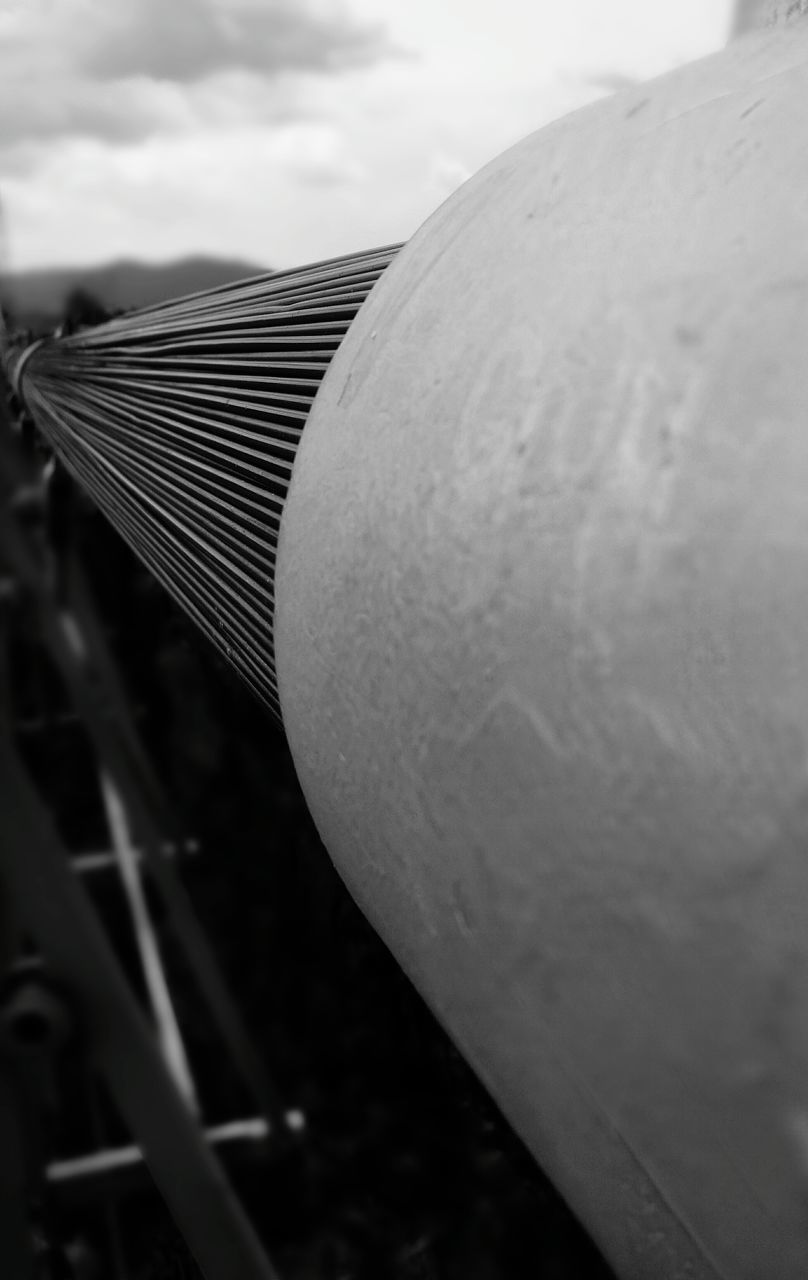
point(168, 1030)
point(53, 906)
point(15, 1232)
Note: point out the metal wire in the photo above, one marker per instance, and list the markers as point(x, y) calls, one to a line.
point(182, 421)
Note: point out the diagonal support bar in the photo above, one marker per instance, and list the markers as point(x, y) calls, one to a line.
point(168, 1029)
point(96, 693)
point(52, 904)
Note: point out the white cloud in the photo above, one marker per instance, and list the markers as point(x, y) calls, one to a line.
point(317, 154)
point(447, 173)
point(305, 163)
point(126, 69)
point(186, 40)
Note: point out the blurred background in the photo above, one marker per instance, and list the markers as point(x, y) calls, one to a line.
point(153, 147)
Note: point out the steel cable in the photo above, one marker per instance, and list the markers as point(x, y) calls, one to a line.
point(182, 420)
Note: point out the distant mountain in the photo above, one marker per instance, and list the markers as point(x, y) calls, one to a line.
point(36, 298)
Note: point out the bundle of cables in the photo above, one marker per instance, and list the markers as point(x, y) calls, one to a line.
point(182, 421)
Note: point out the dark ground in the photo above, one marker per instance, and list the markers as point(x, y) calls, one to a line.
point(406, 1170)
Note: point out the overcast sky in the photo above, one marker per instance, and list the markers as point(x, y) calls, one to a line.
point(282, 131)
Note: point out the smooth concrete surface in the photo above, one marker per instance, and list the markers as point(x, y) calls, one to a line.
point(542, 646)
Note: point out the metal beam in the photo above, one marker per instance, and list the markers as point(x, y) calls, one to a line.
point(116, 1169)
point(97, 694)
point(16, 1242)
point(52, 904)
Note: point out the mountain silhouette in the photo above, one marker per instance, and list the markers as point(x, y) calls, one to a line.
point(36, 299)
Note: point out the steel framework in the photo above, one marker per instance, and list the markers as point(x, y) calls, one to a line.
point(76, 986)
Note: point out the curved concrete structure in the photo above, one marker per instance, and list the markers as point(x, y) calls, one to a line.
point(750, 14)
point(542, 646)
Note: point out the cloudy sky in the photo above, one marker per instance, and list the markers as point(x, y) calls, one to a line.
point(282, 131)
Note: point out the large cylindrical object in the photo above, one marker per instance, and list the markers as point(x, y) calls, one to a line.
point(542, 648)
point(748, 15)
